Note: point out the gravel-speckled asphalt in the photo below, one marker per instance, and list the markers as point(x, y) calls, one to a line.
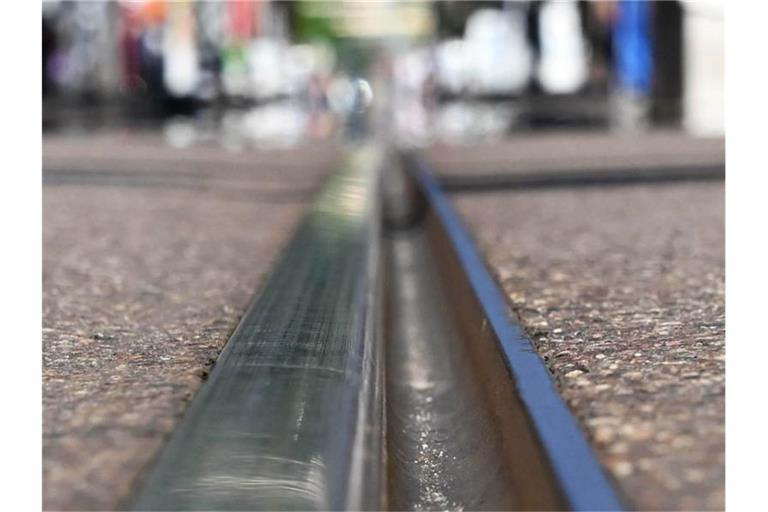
point(144, 277)
point(622, 290)
point(573, 151)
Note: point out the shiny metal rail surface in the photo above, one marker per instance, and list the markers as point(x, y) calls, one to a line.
point(291, 413)
point(545, 446)
point(443, 444)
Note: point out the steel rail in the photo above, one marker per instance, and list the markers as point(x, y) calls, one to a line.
point(541, 435)
point(290, 417)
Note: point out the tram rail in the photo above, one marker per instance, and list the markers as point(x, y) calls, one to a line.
point(378, 368)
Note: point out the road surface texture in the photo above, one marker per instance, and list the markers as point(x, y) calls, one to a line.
point(151, 255)
point(621, 289)
point(574, 151)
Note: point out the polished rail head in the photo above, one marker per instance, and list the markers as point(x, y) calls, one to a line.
point(279, 423)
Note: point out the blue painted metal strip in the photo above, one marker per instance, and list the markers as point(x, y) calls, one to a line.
point(581, 478)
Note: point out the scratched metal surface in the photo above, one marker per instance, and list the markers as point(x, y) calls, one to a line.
point(276, 424)
point(445, 451)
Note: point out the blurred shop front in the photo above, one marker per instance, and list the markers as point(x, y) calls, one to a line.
point(276, 72)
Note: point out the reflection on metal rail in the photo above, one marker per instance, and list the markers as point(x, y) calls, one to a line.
point(291, 413)
point(534, 408)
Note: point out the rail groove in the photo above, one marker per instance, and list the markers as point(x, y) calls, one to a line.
point(550, 461)
point(378, 368)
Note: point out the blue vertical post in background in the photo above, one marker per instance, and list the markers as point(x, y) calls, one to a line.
point(632, 46)
point(633, 62)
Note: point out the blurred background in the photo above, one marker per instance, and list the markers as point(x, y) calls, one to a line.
point(277, 73)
